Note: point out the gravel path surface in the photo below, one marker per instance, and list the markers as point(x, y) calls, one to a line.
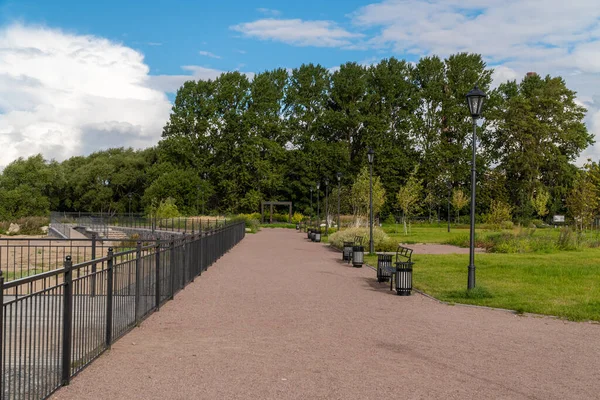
point(279, 317)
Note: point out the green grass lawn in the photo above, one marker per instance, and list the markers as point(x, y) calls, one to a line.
point(564, 284)
point(432, 233)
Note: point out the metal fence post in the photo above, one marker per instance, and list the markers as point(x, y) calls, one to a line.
point(172, 250)
point(184, 263)
point(93, 278)
point(1, 335)
point(157, 275)
point(109, 297)
point(138, 281)
point(193, 257)
point(67, 321)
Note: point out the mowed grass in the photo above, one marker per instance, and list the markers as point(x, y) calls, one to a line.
point(565, 284)
point(432, 233)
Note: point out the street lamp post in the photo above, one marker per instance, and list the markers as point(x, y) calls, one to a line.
point(339, 179)
point(475, 99)
point(318, 211)
point(129, 195)
point(371, 156)
point(311, 206)
point(449, 196)
point(326, 208)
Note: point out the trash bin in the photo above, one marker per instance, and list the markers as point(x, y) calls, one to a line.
point(297, 226)
point(308, 230)
point(317, 235)
point(358, 256)
point(383, 261)
point(404, 270)
point(347, 251)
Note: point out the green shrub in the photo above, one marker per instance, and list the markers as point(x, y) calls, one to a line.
point(567, 240)
point(297, 217)
point(538, 223)
point(381, 241)
point(500, 213)
point(507, 225)
point(28, 225)
point(253, 224)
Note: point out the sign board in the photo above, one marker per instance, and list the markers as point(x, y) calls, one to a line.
point(558, 219)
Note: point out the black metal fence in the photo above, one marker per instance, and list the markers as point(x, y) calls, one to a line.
point(55, 323)
point(20, 258)
point(102, 224)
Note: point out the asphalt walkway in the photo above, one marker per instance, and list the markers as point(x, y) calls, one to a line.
point(279, 317)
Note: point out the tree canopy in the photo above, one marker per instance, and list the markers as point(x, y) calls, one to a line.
point(234, 141)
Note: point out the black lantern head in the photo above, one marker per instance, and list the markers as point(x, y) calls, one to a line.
point(326, 181)
point(339, 176)
point(371, 155)
point(475, 99)
point(318, 185)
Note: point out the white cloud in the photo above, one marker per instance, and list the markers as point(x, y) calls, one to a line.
point(269, 11)
point(208, 54)
point(63, 95)
point(514, 36)
point(170, 83)
point(298, 32)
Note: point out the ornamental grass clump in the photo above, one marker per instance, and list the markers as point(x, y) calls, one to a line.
point(381, 241)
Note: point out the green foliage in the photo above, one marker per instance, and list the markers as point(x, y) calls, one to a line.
point(459, 201)
point(252, 221)
point(232, 142)
point(361, 194)
point(27, 225)
point(583, 200)
point(478, 292)
point(381, 241)
point(500, 215)
point(539, 201)
point(167, 209)
point(297, 217)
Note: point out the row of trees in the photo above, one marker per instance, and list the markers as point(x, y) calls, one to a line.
point(232, 142)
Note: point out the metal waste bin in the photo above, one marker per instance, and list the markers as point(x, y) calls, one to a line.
point(317, 235)
point(358, 256)
point(347, 251)
point(404, 272)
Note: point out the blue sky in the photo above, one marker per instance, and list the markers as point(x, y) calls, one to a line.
point(79, 76)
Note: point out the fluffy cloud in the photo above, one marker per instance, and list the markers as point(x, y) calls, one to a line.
point(515, 36)
point(208, 54)
point(298, 32)
point(63, 95)
point(170, 83)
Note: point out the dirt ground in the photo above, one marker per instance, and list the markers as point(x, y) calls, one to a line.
point(279, 317)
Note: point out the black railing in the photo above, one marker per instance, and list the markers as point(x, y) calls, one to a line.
point(55, 323)
point(103, 223)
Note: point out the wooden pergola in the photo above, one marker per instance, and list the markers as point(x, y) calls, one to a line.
point(271, 204)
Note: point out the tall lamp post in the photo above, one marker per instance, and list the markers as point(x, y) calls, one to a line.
point(318, 211)
point(326, 207)
point(475, 99)
point(371, 157)
point(339, 179)
point(311, 206)
point(449, 184)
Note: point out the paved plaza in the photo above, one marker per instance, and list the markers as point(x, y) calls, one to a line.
point(279, 317)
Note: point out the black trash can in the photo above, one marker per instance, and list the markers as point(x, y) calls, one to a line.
point(317, 235)
point(347, 251)
point(308, 230)
point(404, 272)
point(297, 226)
point(383, 260)
point(358, 256)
